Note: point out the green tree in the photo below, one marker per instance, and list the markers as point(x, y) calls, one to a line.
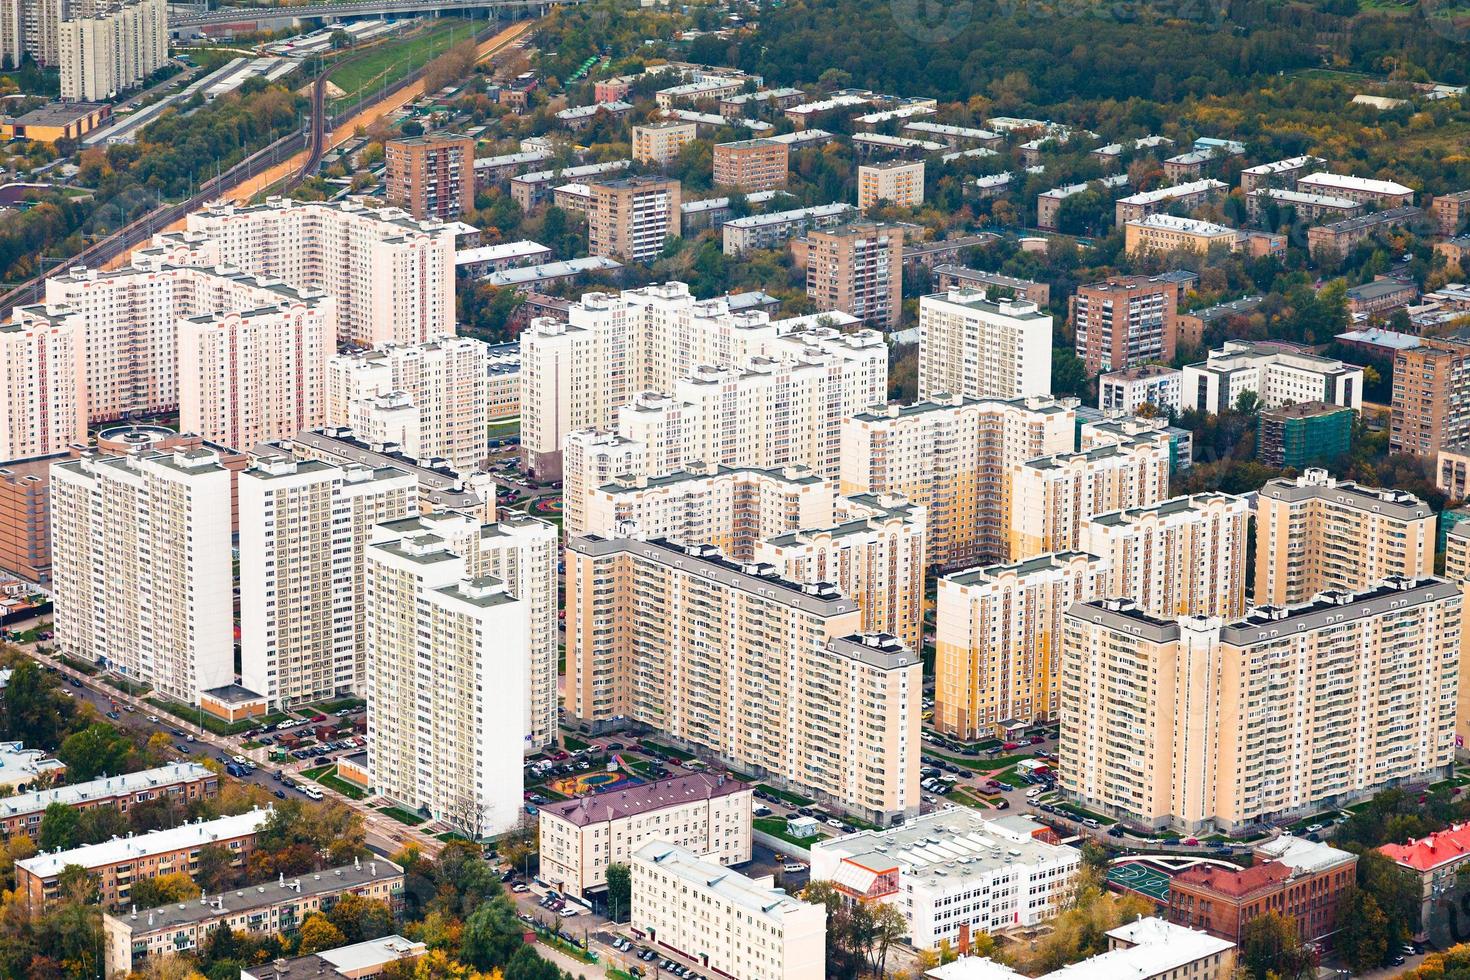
point(32, 707)
point(59, 827)
point(492, 934)
point(99, 823)
point(215, 873)
point(619, 891)
point(1269, 945)
point(95, 750)
point(1363, 931)
point(1069, 374)
point(527, 964)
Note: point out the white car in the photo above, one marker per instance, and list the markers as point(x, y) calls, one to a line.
point(239, 760)
point(1033, 792)
point(794, 867)
point(153, 719)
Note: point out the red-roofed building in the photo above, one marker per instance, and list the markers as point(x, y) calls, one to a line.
point(1435, 860)
point(1221, 901)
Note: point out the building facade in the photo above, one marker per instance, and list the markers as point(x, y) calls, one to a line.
point(1124, 322)
point(630, 218)
point(751, 165)
point(898, 182)
point(183, 782)
point(1276, 376)
point(658, 142)
point(105, 49)
point(1300, 435)
point(976, 348)
point(1431, 397)
point(858, 269)
point(432, 176)
point(42, 403)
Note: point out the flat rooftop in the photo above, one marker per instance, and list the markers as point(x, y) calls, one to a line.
point(185, 837)
point(619, 804)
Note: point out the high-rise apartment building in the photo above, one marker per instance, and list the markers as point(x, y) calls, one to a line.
point(105, 49)
point(898, 182)
point(1431, 397)
point(765, 673)
point(1276, 376)
point(445, 379)
point(998, 640)
point(1125, 322)
point(858, 269)
point(973, 347)
point(658, 142)
point(1199, 723)
point(303, 527)
point(1183, 557)
point(751, 165)
point(447, 654)
point(41, 356)
point(630, 218)
point(1052, 497)
point(248, 376)
point(432, 176)
point(140, 551)
point(1316, 533)
point(391, 275)
point(577, 374)
point(954, 457)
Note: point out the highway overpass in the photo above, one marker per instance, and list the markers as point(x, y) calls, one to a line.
point(183, 17)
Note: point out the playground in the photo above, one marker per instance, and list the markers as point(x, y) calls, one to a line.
point(594, 782)
point(548, 506)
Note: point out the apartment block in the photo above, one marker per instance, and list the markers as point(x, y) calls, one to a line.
point(1280, 173)
point(947, 277)
point(432, 176)
point(953, 874)
point(304, 525)
point(1297, 436)
point(658, 142)
point(115, 865)
point(1049, 202)
point(1199, 723)
point(1306, 207)
point(897, 182)
point(1451, 212)
point(1185, 556)
point(391, 275)
point(1274, 374)
point(254, 375)
point(738, 657)
point(727, 923)
point(106, 49)
point(630, 218)
point(1188, 196)
point(998, 640)
point(42, 353)
point(1431, 397)
point(1052, 497)
point(141, 568)
point(1338, 238)
point(1165, 233)
point(447, 664)
point(577, 374)
point(445, 379)
point(709, 813)
point(25, 516)
point(953, 457)
point(1316, 533)
point(858, 269)
point(181, 781)
point(751, 165)
point(1128, 391)
point(971, 346)
point(134, 939)
point(1124, 322)
point(1433, 863)
point(1379, 193)
point(771, 230)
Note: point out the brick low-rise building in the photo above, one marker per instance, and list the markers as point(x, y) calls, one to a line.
point(183, 782)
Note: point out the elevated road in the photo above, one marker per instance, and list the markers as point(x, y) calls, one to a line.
point(354, 8)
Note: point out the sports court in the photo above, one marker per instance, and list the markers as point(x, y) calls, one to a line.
point(1142, 879)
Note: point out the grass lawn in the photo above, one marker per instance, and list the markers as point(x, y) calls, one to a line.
point(641, 767)
point(776, 827)
point(572, 743)
point(209, 722)
point(327, 776)
point(341, 704)
point(667, 751)
point(1011, 778)
point(1083, 814)
point(316, 771)
point(503, 427)
point(89, 669)
point(398, 57)
point(128, 687)
point(793, 799)
point(981, 763)
point(450, 835)
point(402, 816)
point(1325, 817)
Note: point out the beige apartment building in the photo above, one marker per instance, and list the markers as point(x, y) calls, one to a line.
point(1052, 497)
point(446, 379)
point(1315, 533)
point(707, 812)
point(630, 218)
point(432, 176)
point(727, 923)
point(391, 275)
point(1185, 556)
point(249, 376)
point(898, 182)
point(447, 653)
point(973, 347)
point(141, 568)
point(658, 142)
point(304, 525)
point(41, 405)
point(1198, 723)
point(751, 165)
point(1457, 570)
point(734, 657)
point(1165, 233)
point(998, 640)
point(953, 456)
point(858, 269)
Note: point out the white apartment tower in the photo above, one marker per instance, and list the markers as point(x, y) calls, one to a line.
point(40, 406)
point(973, 347)
point(110, 47)
point(447, 665)
point(304, 525)
point(141, 568)
point(446, 379)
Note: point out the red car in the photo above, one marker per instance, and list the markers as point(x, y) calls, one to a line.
point(559, 756)
point(1037, 740)
point(1011, 745)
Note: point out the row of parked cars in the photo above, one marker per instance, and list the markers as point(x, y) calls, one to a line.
point(625, 945)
